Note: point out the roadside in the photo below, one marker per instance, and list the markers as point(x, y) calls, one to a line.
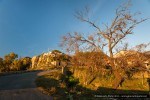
point(21, 87)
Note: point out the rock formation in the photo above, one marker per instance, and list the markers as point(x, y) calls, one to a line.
point(44, 61)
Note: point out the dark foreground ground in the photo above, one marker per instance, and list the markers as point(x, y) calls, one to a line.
point(21, 87)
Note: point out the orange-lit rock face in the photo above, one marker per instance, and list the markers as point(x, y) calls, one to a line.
point(46, 60)
point(34, 61)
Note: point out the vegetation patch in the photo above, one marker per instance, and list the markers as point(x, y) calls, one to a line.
point(61, 86)
point(67, 87)
point(11, 62)
point(97, 79)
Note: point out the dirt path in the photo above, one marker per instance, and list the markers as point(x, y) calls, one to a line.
point(21, 87)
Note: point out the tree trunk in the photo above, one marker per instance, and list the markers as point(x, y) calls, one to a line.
point(110, 49)
point(110, 53)
point(118, 79)
point(118, 73)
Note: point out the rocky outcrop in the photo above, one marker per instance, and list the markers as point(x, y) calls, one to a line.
point(44, 61)
point(34, 61)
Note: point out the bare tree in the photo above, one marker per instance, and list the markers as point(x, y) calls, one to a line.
point(122, 25)
point(109, 37)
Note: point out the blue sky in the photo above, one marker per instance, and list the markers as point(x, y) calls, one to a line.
point(30, 27)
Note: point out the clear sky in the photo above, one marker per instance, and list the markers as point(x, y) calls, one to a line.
point(30, 27)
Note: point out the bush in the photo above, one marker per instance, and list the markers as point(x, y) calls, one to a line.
point(11, 63)
point(91, 60)
point(69, 80)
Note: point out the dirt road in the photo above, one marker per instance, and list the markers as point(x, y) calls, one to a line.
point(21, 87)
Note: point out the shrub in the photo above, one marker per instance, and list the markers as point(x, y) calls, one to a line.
point(91, 60)
point(69, 80)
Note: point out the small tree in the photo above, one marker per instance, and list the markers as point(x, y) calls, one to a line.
point(56, 51)
point(26, 63)
point(62, 59)
point(8, 60)
point(16, 65)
